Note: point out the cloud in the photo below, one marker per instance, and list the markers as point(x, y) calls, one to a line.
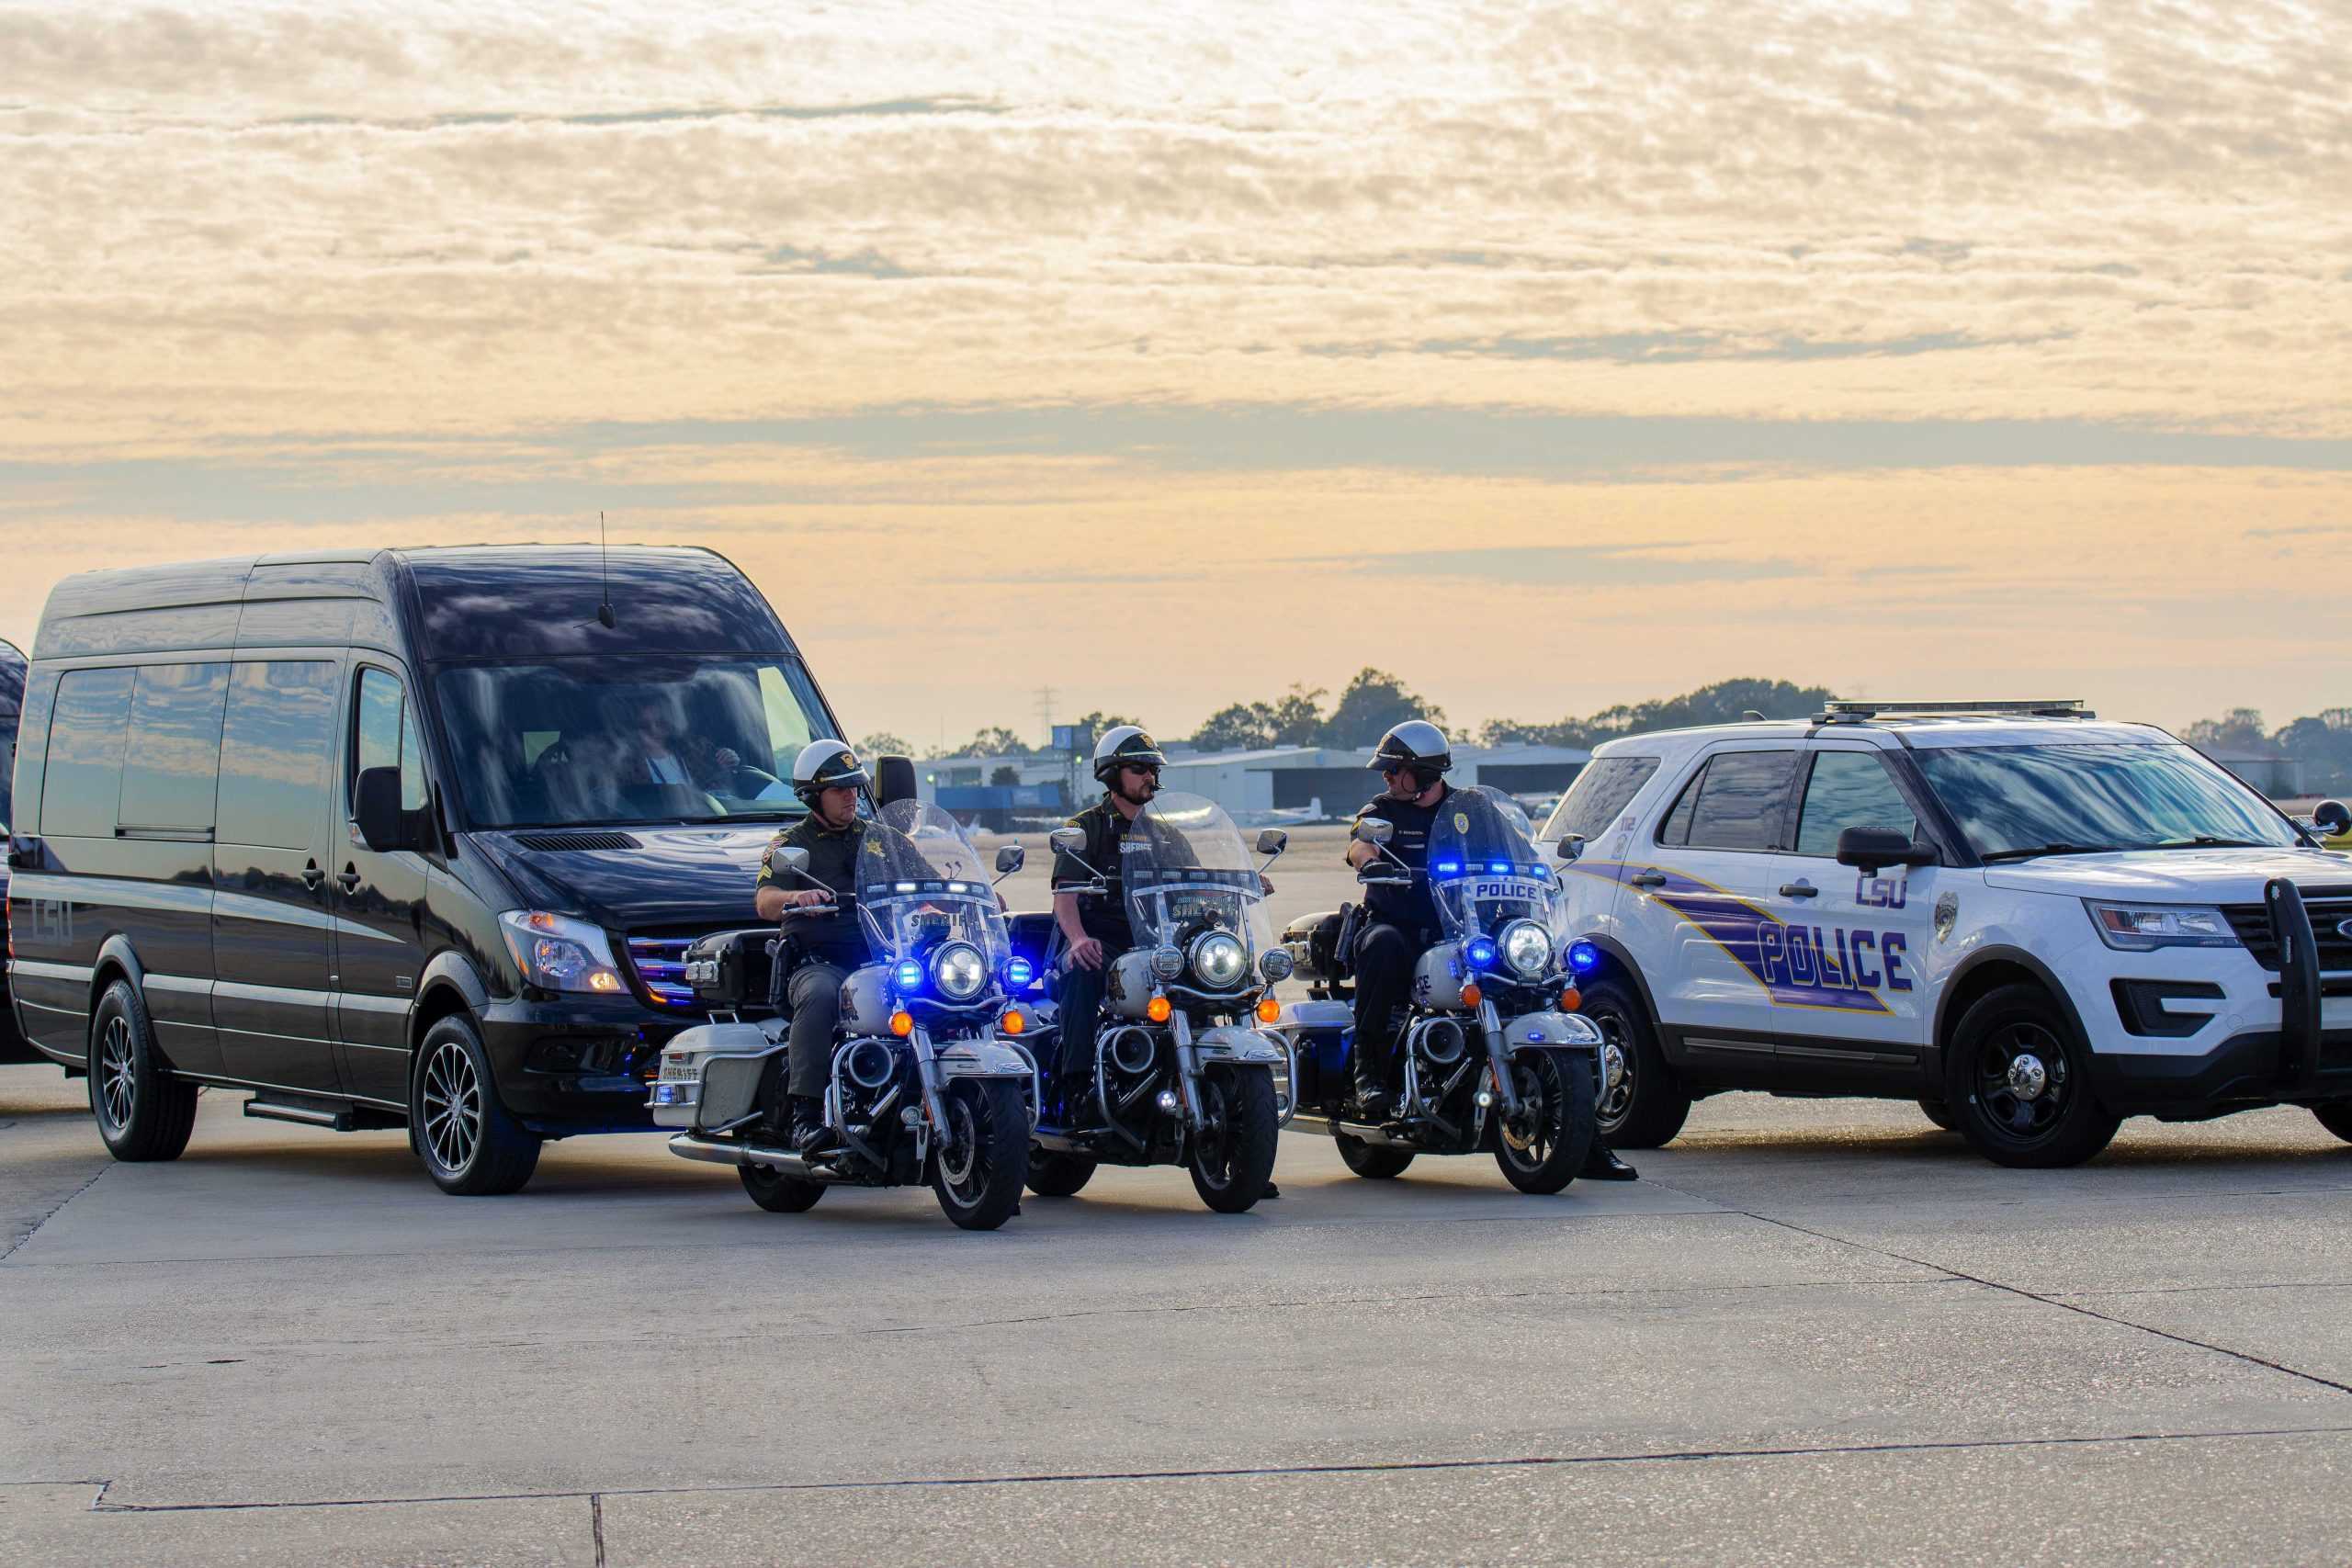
point(1565, 566)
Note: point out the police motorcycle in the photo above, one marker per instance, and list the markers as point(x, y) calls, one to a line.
point(1183, 1075)
point(923, 1089)
point(1493, 1053)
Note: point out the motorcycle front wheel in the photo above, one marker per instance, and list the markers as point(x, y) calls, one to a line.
point(1542, 1152)
point(984, 1158)
point(1233, 1157)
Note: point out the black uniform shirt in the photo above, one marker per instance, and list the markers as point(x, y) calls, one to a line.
point(1105, 917)
point(1410, 908)
point(835, 938)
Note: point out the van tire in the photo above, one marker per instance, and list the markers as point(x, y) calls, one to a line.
point(2059, 1122)
point(143, 1112)
point(471, 1146)
point(2336, 1117)
point(1649, 1108)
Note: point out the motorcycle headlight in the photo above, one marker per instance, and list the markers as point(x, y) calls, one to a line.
point(557, 952)
point(1219, 960)
point(1167, 962)
point(1527, 948)
point(2143, 928)
point(959, 972)
point(1274, 965)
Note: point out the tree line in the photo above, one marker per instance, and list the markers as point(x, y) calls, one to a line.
point(2321, 743)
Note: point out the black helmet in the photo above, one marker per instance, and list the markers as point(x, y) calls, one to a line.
point(823, 765)
point(1418, 745)
point(1125, 746)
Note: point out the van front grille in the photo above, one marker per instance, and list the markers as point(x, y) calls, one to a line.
point(661, 965)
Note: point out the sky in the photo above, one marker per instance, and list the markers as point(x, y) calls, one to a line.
point(1546, 356)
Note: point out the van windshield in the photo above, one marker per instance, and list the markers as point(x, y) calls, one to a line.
point(614, 742)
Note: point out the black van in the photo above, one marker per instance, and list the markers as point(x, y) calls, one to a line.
point(393, 838)
point(12, 700)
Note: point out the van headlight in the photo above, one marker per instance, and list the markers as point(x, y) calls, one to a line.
point(1219, 960)
point(2143, 928)
point(557, 952)
point(1527, 948)
point(959, 972)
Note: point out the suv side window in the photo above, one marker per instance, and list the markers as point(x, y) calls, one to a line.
point(385, 736)
point(1606, 788)
point(1850, 789)
point(1734, 803)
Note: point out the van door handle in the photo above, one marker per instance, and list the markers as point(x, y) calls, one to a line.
point(1799, 890)
point(349, 877)
point(1647, 879)
point(312, 876)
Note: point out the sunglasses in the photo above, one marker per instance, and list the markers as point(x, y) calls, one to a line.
point(1390, 770)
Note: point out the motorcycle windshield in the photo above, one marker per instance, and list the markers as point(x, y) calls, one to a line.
point(921, 883)
point(1484, 869)
point(1188, 874)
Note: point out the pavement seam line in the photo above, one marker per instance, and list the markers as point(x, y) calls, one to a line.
point(596, 1524)
point(53, 1213)
point(2247, 1356)
point(1241, 1472)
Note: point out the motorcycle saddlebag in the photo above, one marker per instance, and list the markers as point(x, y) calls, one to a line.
point(730, 970)
point(1314, 942)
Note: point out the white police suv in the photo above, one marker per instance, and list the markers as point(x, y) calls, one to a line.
point(2033, 922)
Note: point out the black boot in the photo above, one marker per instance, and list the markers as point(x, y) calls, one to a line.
point(1602, 1164)
point(811, 1137)
point(1078, 1102)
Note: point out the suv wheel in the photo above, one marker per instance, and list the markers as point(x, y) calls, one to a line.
point(2336, 1117)
point(471, 1146)
point(144, 1113)
point(2014, 1080)
point(1646, 1105)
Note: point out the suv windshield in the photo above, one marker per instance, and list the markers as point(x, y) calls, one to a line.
point(616, 741)
point(2013, 801)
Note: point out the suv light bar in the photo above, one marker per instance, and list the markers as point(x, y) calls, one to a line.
point(1851, 711)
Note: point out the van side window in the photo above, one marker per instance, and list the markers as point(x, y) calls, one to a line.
point(273, 749)
point(171, 761)
point(1734, 804)
point(1850, 789)
point(386, 737)
point(84, 778)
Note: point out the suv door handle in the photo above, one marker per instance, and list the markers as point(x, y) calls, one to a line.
point(1647, 879)
point(312, 876)
point(349, 877)
point(1799, 890)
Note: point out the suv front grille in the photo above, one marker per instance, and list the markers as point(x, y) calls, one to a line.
point(2329, 907)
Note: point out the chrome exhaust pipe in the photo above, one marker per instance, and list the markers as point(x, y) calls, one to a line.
point(685, 1145)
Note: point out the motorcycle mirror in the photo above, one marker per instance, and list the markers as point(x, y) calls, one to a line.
point(1374, 830)
point(1067, 841)
point(791, 858)
point(1272, 841)
point(1011, 858)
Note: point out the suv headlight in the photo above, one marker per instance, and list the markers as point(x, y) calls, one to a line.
point(1527, 948)
point(1220, 961)
point(958, 971)
point(2143, 928)
point(557, 952)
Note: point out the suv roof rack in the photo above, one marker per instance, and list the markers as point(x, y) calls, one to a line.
point(1859, 711)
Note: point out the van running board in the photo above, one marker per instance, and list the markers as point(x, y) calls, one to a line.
point(307, 1115)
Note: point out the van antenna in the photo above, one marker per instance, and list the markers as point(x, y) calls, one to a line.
point(605, 569)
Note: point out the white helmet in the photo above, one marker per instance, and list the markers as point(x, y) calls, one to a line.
point(823, 765)
point(1125, 746)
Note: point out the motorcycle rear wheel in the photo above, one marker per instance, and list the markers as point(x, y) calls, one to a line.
point(779, 1193)
point(982, 1163)
point(1232, 1161)
point(1550, 1148)
point(1058, 1175)
point(1374, 1162)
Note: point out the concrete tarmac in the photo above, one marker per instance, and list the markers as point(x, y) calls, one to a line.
point(1815, 1331)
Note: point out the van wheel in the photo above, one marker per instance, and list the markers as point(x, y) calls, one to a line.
point(2014, 1077)
point(144, 1113)
point(471, 1146)
point(1646, 1105)
point(1939, 1112)
point(2336, 1117)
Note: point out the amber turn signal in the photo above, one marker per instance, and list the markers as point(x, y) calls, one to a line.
point(902, 1023)
point(1269, 1010)
point(1158, 1010)
point(1571, 999)
point(1472, 996)
point(1013, 1021)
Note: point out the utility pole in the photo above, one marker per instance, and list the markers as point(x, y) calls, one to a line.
point(1044, 710)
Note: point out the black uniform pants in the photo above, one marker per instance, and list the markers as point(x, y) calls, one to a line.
point(1386, 954)
point(814, 994)
point(1081, 1010)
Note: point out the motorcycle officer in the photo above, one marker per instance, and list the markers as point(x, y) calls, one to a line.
point(1414, 758)
point(1126, 764)
point(824, 940)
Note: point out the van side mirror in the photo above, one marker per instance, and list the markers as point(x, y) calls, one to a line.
point(1011, 858)
point(1272, 841)
point(1873, 850)
point(1373, 830)
point(376, 810)
point(2332, 818)
point(1068, 840)
point(1570, 847)
point(894, 779)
